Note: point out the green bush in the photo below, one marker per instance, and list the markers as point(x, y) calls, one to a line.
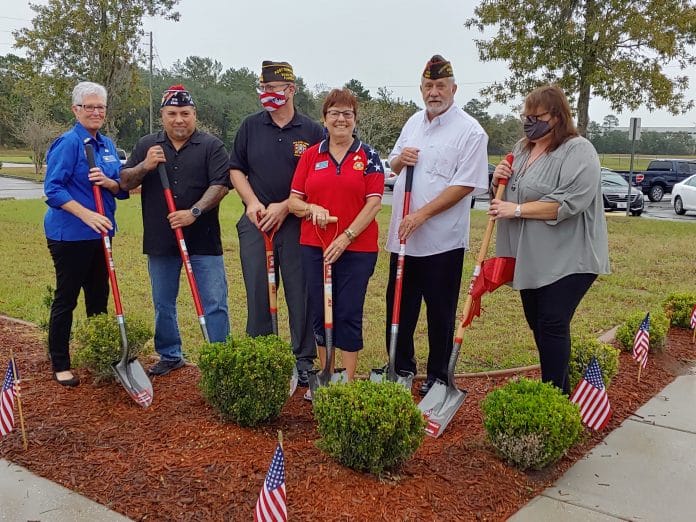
point(531, 424)
point(678, 307)
point(659, 324)
point(97, 343)
point(247, 380)
point(368, 426)
point(582, 349)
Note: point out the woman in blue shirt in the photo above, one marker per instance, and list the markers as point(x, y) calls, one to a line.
point(72, 224)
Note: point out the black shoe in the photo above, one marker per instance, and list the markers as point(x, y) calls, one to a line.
point(163, 367)
point(427, 384)
point(302, 378)
point(72, 382)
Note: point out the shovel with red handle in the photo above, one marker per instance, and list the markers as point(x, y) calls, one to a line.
point(186, 260)
point(128, 370)
point(444, 399)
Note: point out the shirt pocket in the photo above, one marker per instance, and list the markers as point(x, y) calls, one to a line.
point(445, 162)
point(536, 190)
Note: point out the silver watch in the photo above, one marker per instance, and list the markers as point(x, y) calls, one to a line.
point(196, 211)
point(518, 211)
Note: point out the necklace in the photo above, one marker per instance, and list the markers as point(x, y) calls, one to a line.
point(528, 163)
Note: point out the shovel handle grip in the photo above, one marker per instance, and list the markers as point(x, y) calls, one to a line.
point(509, 158)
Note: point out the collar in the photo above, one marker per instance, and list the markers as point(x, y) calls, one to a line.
point(194, 138)
point(294, 122)
point(84, 134)
point(354, 147)
point(442, 118)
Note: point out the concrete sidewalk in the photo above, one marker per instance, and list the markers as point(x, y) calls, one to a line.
point(25, 496)
point(644, 470)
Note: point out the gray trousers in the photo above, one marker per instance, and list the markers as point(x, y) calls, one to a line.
point(288, 264)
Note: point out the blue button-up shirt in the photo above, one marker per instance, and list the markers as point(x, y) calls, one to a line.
point(67, 179)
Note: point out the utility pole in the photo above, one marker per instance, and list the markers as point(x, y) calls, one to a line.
point(150, 82)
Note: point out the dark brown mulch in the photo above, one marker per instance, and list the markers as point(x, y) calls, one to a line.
point(178, 461)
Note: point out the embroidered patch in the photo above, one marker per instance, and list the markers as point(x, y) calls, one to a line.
point(109, 157)
point(321, 165)
point(299, 147)
point(358, 165)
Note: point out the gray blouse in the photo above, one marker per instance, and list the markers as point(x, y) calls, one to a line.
point(576, 241)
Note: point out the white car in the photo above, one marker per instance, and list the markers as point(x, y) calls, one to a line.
point(121, 156)
point(389, 176)
point(684, 195)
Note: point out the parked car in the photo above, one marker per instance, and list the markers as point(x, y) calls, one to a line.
point(684, 195)
point(491, 168)
point(389, 176)
point(121, 156)
point(615, 193)
point(661, 176)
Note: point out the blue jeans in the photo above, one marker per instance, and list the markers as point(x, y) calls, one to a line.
point(209, 272)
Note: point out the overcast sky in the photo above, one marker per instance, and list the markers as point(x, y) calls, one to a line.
point(379, 42)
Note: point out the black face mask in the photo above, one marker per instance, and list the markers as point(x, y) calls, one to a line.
point(536, 129)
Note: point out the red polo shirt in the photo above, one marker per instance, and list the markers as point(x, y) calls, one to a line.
point(342, 188)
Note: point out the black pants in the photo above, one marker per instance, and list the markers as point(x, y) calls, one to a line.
point(549, 310)
point(79, 265)
point(434, 279)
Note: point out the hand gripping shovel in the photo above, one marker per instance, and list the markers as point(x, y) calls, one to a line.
point(171, 207)
point(378, 374)
point(273, 295)
point(327, 375)
point(128, 370)
point(443, 400)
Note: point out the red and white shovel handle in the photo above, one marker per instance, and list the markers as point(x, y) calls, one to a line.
point(106, 241)
point(181, 243)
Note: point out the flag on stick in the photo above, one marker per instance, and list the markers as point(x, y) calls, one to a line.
point(641, 342)
point(692, 323)
point(7, 401)
point(271, 506)
point(591, 395)
point(494, 272)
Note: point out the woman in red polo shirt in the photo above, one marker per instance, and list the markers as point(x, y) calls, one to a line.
point(342, 177)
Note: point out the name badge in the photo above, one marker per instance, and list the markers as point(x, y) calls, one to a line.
point(109, 157)
point(321, 165)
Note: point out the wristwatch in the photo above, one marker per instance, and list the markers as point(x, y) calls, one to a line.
point(350, 234)
point(518, 211)
point(195, 211)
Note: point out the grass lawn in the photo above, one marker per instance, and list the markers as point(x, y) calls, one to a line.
point(22, 172)
point(650, 259)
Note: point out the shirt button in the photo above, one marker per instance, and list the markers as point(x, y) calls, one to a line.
point(280, 139)
point(176, 167)
point(176, 182)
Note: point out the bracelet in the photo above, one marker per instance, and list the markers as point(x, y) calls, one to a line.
point(350, 234)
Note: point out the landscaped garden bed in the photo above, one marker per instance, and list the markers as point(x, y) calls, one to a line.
point(177, 460)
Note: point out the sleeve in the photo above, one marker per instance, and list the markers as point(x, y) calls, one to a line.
point(578, 182)
point(472, 164)
point(374, 174)
point(60, 166)
point(218, 169)
point(238, 155)
point(400, 142)
point(299, 179)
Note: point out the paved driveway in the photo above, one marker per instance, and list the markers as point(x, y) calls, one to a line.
point(20, 189)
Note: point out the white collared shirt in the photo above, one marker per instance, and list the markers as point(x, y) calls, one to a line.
point(452, 152)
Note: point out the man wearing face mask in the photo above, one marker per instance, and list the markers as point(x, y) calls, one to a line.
point(447, 149)
point(266, 150)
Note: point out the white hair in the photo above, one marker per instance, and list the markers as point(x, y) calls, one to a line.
point(84, 89)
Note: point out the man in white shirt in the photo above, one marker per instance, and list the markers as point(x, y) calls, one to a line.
point(448, 150)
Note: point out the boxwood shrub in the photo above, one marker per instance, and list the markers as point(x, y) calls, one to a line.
point(368, 426)
point(678, 307)
point(659, 325)
point(97, 343)
point(582, 349)
point(531, 424)
point(247, 379)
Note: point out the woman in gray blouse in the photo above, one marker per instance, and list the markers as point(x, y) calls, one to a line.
point(551, 219)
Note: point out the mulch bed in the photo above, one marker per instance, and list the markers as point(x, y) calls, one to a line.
point(178, 461)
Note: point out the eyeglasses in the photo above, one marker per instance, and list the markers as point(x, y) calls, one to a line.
point(348, 115)
point(93, 108)
point(271, 88)
point(532, 118)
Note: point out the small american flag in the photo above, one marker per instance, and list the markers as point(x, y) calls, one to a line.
point(591, 396)
point(641, 342)
point(7, 401)
point(271, 504)
point(693, 318)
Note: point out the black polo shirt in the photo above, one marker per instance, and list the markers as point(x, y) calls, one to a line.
point(200, 163)
point(268, 154)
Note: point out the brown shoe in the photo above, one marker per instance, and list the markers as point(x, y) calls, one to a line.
point(66, 380)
